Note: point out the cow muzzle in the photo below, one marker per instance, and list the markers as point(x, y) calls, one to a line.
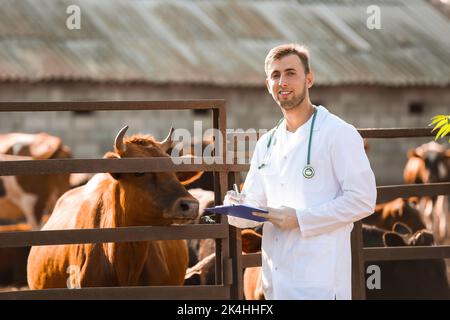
point(184, 209)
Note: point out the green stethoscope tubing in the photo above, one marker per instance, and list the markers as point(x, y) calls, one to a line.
point(308, 171)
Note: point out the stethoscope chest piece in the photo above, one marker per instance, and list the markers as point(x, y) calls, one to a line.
point(308, 172)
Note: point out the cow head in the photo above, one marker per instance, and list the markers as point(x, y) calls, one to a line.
point(398, 210)
point(155, 198)
point(428, 163)
point(251, 241)
point(401, 235)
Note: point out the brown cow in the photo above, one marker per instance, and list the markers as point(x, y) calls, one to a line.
point(412, 279)
point(202, 255)
point(34, 195)
point(398, 210)
point(430, 163)
point(118, 200)
point(201, 249)
point(406, 279)
point(251, 243)
point(13, 261)
point(27, 197)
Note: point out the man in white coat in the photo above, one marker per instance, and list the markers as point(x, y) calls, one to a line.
point(311, 173)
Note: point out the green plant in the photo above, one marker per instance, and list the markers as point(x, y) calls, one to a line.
point(443, 122)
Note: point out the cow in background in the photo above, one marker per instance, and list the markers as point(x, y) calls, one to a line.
point(119, 200)
point(201, 180)
point(430, 163)
point(409, 279)
point(406, 279)
point(33, 195)
point(29, 198)
point(251, 243)
point(201, 250)
point(398, 210)
point(13, 260)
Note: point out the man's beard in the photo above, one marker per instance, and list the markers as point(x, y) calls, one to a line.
point(295, 101)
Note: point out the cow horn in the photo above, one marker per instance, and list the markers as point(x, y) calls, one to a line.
point(166, 144)
point(118, 142)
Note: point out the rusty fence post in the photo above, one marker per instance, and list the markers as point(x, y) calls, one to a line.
point(237, 290)
point(358, 279)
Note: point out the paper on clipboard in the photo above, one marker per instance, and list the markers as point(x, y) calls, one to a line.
point(239, 210)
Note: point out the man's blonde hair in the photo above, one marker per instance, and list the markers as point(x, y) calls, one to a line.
point(287, 49)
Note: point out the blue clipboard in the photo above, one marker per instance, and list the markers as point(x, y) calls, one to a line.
point(239, 210)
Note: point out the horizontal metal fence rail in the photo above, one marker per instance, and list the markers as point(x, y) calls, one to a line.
point(112, 105)
point(406, 253)
point(383, 133)
point(157, 164)
point(121, 234)
point(210, 292)
point(375, 133)
point(387, 193)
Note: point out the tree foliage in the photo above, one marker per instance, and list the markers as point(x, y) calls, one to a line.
point(441, 122)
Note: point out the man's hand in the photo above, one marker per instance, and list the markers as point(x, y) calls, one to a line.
point(282, 217)
point(232, 197)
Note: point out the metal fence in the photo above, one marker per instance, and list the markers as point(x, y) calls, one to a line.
point(220, 232)
point(229, 258)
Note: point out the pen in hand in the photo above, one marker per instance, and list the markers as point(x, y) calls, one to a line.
point(237, 194)
point(236, 189)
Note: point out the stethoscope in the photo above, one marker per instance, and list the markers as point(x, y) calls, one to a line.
point(308, 170)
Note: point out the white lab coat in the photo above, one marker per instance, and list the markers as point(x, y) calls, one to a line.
point(313, 262)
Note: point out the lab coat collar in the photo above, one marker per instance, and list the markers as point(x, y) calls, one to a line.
point(300, 135)
point(322, 114)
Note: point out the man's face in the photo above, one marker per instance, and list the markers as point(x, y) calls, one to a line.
point(287, 82)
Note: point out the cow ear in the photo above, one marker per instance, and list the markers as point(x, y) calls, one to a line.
point(113, 155)
point(423, 238)
point(418, 153)
point(401, 228)
point(392, 239)
point(186, 178)
point(251, 241)
point(414, 170)
point(44, 146)
point(64, 153)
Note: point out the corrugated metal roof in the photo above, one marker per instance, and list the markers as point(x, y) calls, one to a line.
point(222, 42)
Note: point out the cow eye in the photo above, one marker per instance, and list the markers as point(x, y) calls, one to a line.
point(139, 174)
